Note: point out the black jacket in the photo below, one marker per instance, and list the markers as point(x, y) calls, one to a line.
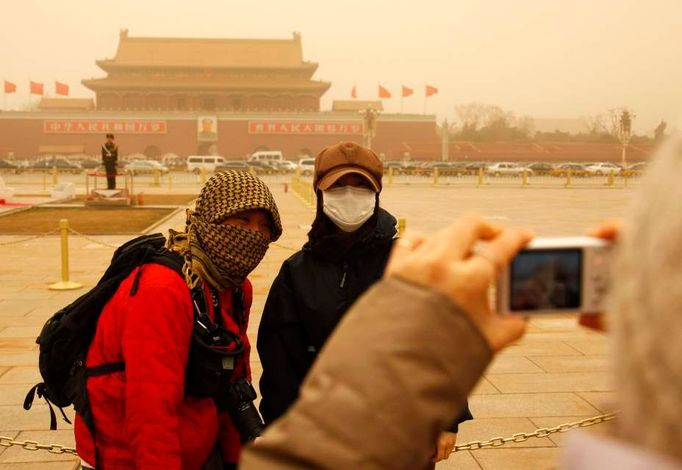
point(313, 290)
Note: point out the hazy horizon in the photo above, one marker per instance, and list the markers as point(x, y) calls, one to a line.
point(545, 59)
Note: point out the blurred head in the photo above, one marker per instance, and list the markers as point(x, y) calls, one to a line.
point(646, 309)
point(110, 137)
point(234, 221)
point(347, 182)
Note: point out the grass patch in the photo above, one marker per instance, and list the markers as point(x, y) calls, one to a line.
point(91, 221)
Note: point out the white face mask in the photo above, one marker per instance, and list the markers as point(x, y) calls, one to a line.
point(348, 206)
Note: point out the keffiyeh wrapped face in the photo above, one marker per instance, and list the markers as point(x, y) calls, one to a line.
point(224, 254)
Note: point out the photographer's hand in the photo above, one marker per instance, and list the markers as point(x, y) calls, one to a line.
point(608, 230)
point(447, 263)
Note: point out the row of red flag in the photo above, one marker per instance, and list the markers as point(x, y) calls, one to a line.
point(405, 91)
point(39, 88)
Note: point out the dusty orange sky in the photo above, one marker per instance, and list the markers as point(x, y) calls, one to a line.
point(544, 58)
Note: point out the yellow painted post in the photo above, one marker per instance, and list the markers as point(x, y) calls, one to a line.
point(525, 177)
point(202, 176)
point(481, 182)
point(54, 175)
point(609, 181)
point(65, 284)
point(157, 178)
point(435, 176)
point(44, 182)
point(402, 224)
point(569, 173)
point(390, 176)
point(170, 182)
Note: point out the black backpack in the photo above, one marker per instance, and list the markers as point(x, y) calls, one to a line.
point(66, 336)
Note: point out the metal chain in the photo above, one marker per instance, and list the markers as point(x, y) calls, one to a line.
point(6, 441)
point(33, 445)
point(34, 237)
point(542, 432)
point(82, 235)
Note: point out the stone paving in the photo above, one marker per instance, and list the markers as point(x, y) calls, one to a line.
point(556, 374)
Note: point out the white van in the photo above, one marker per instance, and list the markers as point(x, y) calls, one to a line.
point(196, 162)
point(266, 155)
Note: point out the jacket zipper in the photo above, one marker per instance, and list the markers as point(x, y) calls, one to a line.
point(343, 278)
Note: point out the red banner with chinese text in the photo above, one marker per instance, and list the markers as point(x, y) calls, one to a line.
point(305, 127)
point(98, 126)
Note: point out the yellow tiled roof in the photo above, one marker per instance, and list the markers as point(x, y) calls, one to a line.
point(197, 52)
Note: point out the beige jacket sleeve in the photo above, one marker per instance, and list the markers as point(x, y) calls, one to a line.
point(393, 375)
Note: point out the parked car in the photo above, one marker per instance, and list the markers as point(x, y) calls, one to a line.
point(86, 163)
point(61, 164)
point(306, 166)
point(286, 165)
point(146, 166)
point(266, 155)
point(237, 165)
point(602, 168)
point(540, 168)
point(562, 169)
point(209, 163)
point(507, 168)
point(9, 167)
point(263, 166)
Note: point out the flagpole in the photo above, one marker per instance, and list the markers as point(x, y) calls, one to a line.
point(401, 102)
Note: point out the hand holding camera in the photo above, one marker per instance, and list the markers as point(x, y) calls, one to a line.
point(446, 262)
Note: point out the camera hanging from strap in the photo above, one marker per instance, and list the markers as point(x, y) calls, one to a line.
point(213, 349)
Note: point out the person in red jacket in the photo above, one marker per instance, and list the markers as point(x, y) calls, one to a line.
point(143, 417)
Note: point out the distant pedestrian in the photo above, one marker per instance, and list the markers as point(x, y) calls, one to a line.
point(109, 160)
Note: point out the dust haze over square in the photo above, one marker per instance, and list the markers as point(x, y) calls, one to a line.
point(545, 59)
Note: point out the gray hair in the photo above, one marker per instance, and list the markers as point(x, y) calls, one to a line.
point(646, 308)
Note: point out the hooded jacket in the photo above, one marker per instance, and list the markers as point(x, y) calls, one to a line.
point(311, 294)
point(142, 417)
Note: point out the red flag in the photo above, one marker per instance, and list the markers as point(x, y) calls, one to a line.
point(10, 87)
point(407, 91)
point(61, 89)
point(431, 90)
point(383, 92)
point(36, 88)
point(353, 92)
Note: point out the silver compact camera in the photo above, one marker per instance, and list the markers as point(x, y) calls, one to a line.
point(556, 275)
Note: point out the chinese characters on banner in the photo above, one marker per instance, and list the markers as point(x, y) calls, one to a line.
point(305, 127)
point(99, 126)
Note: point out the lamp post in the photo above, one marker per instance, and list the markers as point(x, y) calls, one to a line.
point(369, 117)
point(623, 127)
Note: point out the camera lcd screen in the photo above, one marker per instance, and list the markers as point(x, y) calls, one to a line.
point(546, 280)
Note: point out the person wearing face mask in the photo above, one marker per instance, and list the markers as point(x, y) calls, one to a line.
point(152, 414)
point(346, 253)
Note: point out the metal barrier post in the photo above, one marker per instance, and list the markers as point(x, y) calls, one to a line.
point(390, 176)
point(480, 177)
point(157, 175)
point(435, 176)
point(65, 284)
point(54, 175)
point(44, 182)
point(609, 180)
point(170, 182)
point(569, 173)
point(402, 224)
point(525, 177)
point(202, 176)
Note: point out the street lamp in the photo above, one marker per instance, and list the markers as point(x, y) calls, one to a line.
point(369, 128)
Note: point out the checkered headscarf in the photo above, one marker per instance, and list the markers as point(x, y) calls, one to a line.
point(225, 254)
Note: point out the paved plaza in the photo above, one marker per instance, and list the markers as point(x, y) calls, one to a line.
point(556, 374)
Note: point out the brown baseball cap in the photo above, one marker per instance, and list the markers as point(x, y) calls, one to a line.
point(344, 158)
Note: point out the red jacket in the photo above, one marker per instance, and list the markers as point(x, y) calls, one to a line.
point(142, 418)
